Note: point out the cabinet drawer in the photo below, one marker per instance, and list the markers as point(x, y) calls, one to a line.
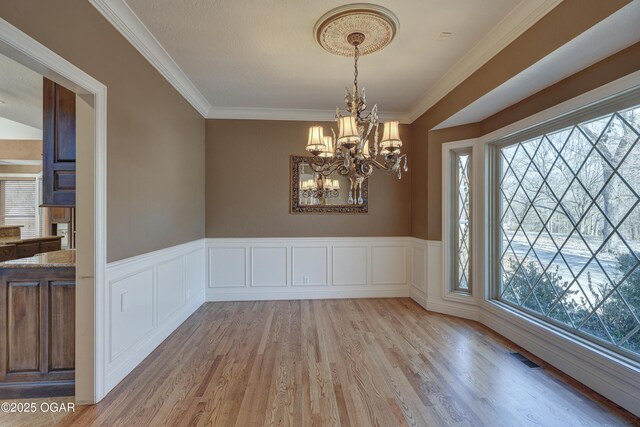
point(50, 246)
point(7, 252)
point(25, 250)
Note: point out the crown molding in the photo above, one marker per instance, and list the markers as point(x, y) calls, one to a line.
point(239, 113)
point(519, 20)
point(120, 15)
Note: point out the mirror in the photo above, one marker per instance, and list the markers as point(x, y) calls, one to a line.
point(313, 192)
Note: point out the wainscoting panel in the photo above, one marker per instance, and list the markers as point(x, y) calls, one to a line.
point(310, 266)
point(195, 268)
point(148, 297)
point(307, 268)
point(228, 267)
point(131, 310)
point(418, 249)
point(170, 292)
point(389, 265)
point(350, 265)
point(269, 266)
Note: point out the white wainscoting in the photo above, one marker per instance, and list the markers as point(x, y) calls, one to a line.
point(147, 298)
point(245, 269)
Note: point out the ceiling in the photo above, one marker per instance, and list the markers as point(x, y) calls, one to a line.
point(260, 58)
point(21, 101)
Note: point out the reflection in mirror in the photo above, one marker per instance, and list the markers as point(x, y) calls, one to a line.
point(318, 190)
point(334, 193)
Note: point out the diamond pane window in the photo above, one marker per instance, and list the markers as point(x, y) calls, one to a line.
point(462, 221)
point(570, 228)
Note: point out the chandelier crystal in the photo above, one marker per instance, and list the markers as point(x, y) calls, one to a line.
point(358, 149)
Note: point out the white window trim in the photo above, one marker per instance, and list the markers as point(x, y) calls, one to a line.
point(449, 293)
point(609, 373)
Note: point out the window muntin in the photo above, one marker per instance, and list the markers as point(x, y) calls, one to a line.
point(570, 228)
point(462, 221)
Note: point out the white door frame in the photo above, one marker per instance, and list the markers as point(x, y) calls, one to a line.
point(22, 48)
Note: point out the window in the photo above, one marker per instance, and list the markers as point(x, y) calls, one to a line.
point(462, 221)
point(19, 201)
point(569, 228)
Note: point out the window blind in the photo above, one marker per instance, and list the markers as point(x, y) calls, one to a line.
point(19, 204)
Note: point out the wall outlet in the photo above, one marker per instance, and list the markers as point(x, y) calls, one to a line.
point(305, 280)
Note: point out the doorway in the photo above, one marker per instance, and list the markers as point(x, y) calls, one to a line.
point(91, 202)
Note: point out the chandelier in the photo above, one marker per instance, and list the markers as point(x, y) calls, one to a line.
point(357, 150)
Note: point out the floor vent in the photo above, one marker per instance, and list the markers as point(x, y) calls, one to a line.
point(531, 364)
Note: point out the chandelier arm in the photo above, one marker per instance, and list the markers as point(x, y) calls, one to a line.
point(376, 164)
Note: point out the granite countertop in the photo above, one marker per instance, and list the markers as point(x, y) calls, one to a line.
point(64, 258)
point(7, 227)
point(14, 240)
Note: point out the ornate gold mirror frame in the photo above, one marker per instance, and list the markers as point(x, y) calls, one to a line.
point(320, 205)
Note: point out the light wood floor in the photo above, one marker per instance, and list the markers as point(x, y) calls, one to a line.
point(378, 362)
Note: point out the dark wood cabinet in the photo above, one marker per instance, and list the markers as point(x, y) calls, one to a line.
point(29, 247)
point(59, 145)
point(7, 252)
point(50, 246)
point(25, 250)
point(37, 340)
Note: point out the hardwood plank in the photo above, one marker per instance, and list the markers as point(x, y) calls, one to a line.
point(384, 362)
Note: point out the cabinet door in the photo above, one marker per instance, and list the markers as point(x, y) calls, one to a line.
point(59, 145)
point(22, 348)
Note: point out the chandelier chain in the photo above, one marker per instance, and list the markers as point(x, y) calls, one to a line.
point(355, 70)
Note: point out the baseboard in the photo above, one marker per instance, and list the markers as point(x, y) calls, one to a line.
point(302, 294)
point(419, 297)
point(32, 390)
point(453, 309)
point(146, 298)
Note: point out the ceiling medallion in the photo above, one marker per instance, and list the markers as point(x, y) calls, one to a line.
point(377, 24)
point(350, 152)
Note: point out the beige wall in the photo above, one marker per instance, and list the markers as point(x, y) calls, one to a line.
point(249, 196)
point(569, 19)
point(155, 138)
point(20, 149)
